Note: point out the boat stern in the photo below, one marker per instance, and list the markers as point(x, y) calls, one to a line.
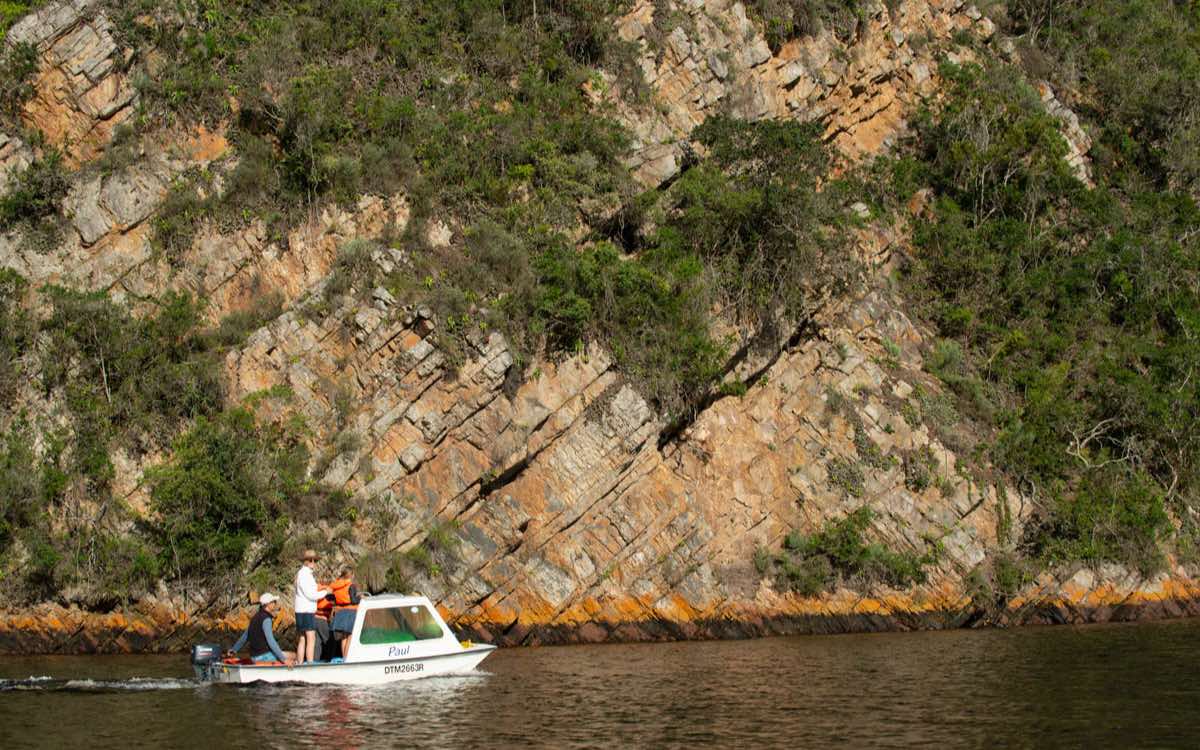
point(206, 658)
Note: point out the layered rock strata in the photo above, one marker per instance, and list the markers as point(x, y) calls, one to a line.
point(578, 513)
point(705, 57)
point(83, 91)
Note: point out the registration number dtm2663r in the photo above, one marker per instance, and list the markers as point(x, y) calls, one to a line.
point(402, 668)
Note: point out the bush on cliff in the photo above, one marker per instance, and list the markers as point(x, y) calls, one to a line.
point(788, 19)
point(472, 107)
point(1137, 66)
point(48, 545)
point(231, 481)
point(1077, 309)
point(130, 382)
point(17, 328)
point(18, 63)
point(764, 219)
point(838, 554)
point(20, 491)
point(478, 113)
point(122, 376)
point(34, 193)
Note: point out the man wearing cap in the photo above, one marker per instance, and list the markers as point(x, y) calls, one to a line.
point(260, 636)
point(307, 596)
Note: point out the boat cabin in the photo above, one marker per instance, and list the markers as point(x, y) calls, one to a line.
point(396, 626)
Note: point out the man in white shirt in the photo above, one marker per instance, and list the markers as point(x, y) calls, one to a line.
point(307, 596)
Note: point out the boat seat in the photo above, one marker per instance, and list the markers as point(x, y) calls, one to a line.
point(245, 660)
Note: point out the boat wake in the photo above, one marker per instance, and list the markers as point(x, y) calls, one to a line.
point(132, 684)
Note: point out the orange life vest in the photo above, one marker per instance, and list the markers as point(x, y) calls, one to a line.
point(324, 605)
point(341, 594)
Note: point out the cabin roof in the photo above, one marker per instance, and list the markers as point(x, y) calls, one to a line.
point(394, 599)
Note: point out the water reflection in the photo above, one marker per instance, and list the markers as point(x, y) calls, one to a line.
point(347, 718)
point(1107, 686)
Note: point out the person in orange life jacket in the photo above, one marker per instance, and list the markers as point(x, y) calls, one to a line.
point(345, 608)
point(307, 596)
point(260, 637)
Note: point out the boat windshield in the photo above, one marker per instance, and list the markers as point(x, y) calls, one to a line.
point(398, 624)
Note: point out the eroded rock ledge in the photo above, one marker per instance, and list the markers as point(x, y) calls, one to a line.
point(50, 629)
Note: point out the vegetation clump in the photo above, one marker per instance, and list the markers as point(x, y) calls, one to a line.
point(231, 481)
point(788, 19)
point(34, 192)
point(1074, 305)
point(838, 554)
point(548, 243)
point(129, 383)
point(18, 63)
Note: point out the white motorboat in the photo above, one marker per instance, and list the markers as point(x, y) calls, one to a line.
point(395, 638)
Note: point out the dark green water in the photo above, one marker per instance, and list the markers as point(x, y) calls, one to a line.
point(1106, 686)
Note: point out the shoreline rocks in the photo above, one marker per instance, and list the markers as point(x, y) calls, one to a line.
point(51, 629)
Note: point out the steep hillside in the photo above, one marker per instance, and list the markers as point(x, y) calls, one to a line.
point(597, 320)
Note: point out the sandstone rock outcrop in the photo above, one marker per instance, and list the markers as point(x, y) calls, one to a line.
point(1078, 141)
point(575, 513)
point(82, 89)
point(714, 59)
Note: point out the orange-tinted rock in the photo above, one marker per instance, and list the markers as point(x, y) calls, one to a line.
point(718, 61)
point(82, 92)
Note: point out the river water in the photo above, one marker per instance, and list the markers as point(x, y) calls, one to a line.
point(1099, 686)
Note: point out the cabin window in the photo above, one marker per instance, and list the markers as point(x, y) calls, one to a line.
point(399, 624)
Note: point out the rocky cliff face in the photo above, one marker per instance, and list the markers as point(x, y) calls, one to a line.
point(82, 89)
point(714, 59)
point(579, 513)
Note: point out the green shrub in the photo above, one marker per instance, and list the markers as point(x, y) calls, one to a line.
point(18, 63)
point(1009, 574)
point(838, 554)
point(920, 469)
point(230, 481)
point(1141, 63)
point(139, 377)
point(35, 192)
point(374, 97)
point(504, 141)
point(747, 231)
point(11, 11)
point(431, 558)
point(236, 326)
point(761, 216)
point(354, 268)
point(656, 330)
point(179, 216)
point(372, 572)
point(1066, 320)
point(21, 505)
point(846, 475)
point(787, 19)
point(1112, 516)
point(17, 329)
point(127, 381)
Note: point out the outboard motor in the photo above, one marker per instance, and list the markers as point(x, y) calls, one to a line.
point(204, 657)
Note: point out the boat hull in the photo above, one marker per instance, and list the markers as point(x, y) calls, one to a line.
point(353, 673)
